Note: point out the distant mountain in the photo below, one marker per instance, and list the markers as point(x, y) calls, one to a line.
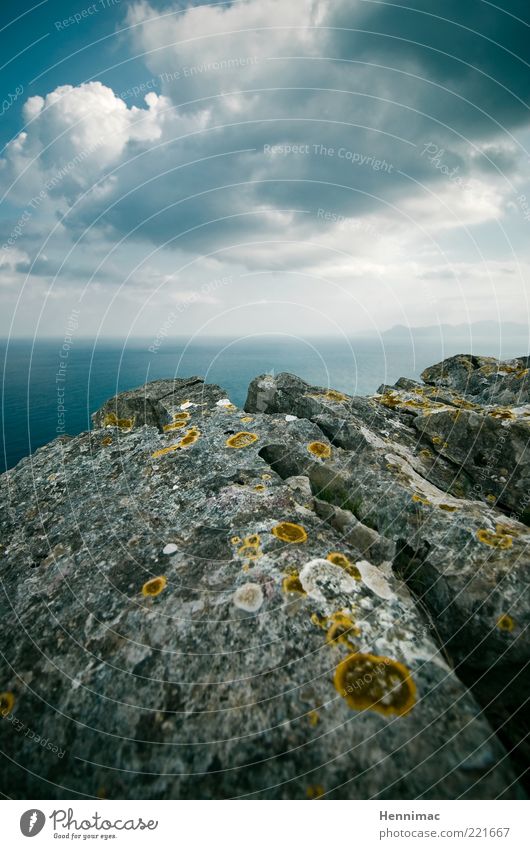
point(490, 329)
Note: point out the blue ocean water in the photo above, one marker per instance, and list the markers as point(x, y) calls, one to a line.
point(89, 374)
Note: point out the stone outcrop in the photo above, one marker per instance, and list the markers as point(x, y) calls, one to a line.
point(312, 596)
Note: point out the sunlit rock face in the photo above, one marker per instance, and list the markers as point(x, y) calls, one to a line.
point(315, 595)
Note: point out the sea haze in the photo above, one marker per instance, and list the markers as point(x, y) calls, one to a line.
point(95, 372)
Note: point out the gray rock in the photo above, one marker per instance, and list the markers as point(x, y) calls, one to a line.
point(224, 609)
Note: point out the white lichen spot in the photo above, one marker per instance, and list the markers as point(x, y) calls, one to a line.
point(224, 402)
point(290, 418)
point(170, 548)
point(187, 404)
point(374, 579)
point(248, 597)
point(318, 575)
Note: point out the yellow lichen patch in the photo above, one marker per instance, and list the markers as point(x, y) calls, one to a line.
point(235, 540)
point(111, 420)
point(341, 560)
point(521, 373)
point(154, 586)
point(497, 539)
point(505, 622)
point(319, 621)
point(250, 549)
point(333, 395)
point(7, 702)
point(167, 450)
point(420, 499)
point(425, 454)
point(449, 508)
point(174, 426)
point(290, 532)
point(313, 718)
point(291, 584)
point(315, 791)
point(389, 399)
point(181, 417)
point(437, 440)
point(341, 629)
point(106, 441)
point(266, 477)
point(247, 419)
point(502, 413)
point(369, 682)
point(190, 438)
point(490, 498)
point(260, 487)
point(241, 440)
point(319, 449)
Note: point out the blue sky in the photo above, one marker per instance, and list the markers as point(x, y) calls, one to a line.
point(327, 165)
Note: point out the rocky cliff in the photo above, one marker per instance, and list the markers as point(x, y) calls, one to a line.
point(319, 595)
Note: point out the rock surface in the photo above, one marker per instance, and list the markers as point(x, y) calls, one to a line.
point(309, 597)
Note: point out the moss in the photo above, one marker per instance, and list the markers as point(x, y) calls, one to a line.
point(290, 532)
point(505, 623)
point(292, 584)
point(370, 682)
point(241, 440)
point(341, 560)
point(154, 586)
point(7, 702)
point(319, 449)
point(498, 539)
point(111, 420)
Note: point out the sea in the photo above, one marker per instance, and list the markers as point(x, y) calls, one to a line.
point(87, 373)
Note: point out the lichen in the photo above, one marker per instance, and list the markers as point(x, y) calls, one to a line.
point(7, 702)
point(370, 682)
point(449, 508)
point(289, 532)
point(241, 440)
point(248, 597)
point(154, 586)
point(291, 584)
point(247, 419)
point(319, 449)
point(188, 439)
point(250, 548)
point(498, 539)
point(111, 420)
point(315, 791)
point(107, 441)
point(174, 426)
point(502, 413)
point(505, 623)
point(341, 560)
point(313, 718)
point(260, 487)
point(420, 499)
point(341, 629)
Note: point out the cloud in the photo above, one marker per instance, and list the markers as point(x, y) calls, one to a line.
point(335, 138)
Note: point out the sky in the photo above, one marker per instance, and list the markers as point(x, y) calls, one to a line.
point(312, 167)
